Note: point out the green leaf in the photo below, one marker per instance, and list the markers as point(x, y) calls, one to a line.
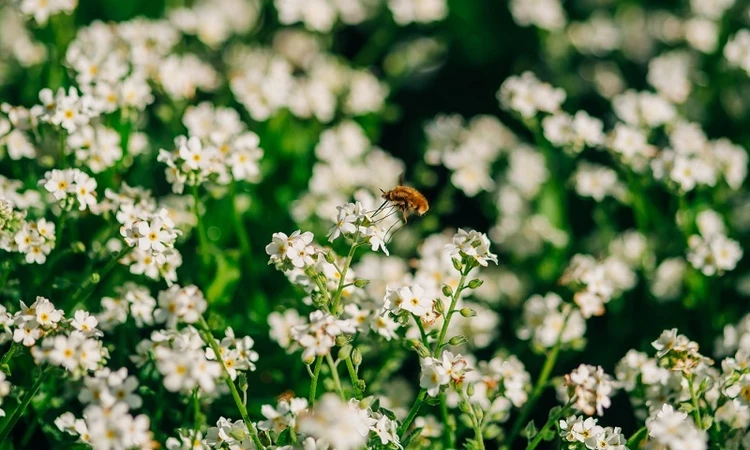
point(285, 437)
point(410, 437)
point(529, 430)
point(220, 291)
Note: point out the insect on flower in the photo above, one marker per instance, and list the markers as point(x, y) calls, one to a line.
point(407, 199)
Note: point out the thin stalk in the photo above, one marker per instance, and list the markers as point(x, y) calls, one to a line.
point(4, 278)
point(694, 401)
point(451, 310)
point(235, 393)
point(21, 408)
point(239, 227)
point(9, 354)
point(314, 380)
point(358, 394)
point(202, 238)
point(550, 422)
point(541, 383)
point(422, 333)
point(422, 393)
point(636, 438)
point(412, 413)
point(335, 375)
point(475, 423)
point(344, 270)
point(449, 438)
point(196, 416)
point(85, 288)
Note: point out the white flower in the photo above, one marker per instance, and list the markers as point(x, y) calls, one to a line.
point(737, 50)
point(85, 323)
point(422, 11)
point(473, 245)
point(592, 388)
point(410, 299)
point(336, 423)
point(433, 376)
point(674, 430)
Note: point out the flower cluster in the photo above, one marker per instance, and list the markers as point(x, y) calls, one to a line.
point(151, 235)
point(72, 188)
point(449, 369)
point(468, 149)
point(582, 433)
point(318, 336)
point(591, 388)
point(108, 397)
point(180, 357)
point(711, 251)
point(348, 166)
point(218, 149)
point(547, 321)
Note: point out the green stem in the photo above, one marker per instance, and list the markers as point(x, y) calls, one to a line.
point(235, 393)
point(358, 394)
point(21, 408)
point(422, 333)
point(475, 422)
point(202, 239)
point(550, 422)
point(85, 288)
point(5, 275)
point(541, 383)
point(694, 401)
point(449, 438)
point(7, 356)
point(196, 416)
point(314, 380)
point(239, 227)
point(447, 315)
point(636, 438)
point(373, 48)
point(412, 413)
point(335, 375)
point(344, 270)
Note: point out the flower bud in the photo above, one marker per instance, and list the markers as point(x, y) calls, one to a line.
point(330, 257)
point(470, 390)
point(478, 413)
point(345, 352)
point(468, 312)
point(95, 278)
point(447, 291)
point(77, 247)
point(356, 357)
point(475, 283)
point(457, 264)
point(242, 382)
point(361, 283)
point(361, 385)
point(342, 340)
point(439, 306)
point(309, 360)
point(421, 349)
point(458, 340)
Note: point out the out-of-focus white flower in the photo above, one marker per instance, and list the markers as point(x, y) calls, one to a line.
point(674, 430)
point(546, 14)
point(592, 389)
point(737, 50)
point(336, 423)
point(420, 11)
point(528, 96)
